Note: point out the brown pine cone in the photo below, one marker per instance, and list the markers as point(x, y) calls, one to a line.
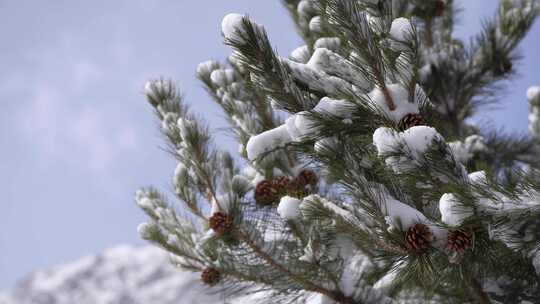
point(220, 222)
point(295, 189)
point(210, 276)
point(439, 8)
point(459, 241)
point(410, 120)
point(419, 238)
point(266, 193)
point(306, 177)
point(282, 184)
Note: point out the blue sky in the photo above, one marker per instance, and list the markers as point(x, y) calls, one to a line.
point(77, 137)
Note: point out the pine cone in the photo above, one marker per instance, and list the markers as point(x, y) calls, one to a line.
point(210, 276)
point(266, 193)
point(410, 120)
point(439, 8)
point(306, 177)
point(459, 241)
point(419, 238)
point(282, 184)
point(220, 222)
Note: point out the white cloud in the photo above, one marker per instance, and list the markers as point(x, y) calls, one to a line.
point(70, 101)
point(85, 135)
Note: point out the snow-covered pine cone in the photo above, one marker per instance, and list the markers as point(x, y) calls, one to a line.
point(210, 276)
point(419, 238)
point(220, 222)
point(410, 120)
point(266, 193)
point(459, 241)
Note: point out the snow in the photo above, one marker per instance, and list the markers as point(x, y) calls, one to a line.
point(232, 26)
point(160, 85)
point(317, 79)
point(169, 122)
point(145, 203)
point(399, 215)
point(222, 78)
point(333, 64)
point(354, 268)
point(306, 7)
point(289, 207)
point(534, 121)
point(314, 198)
point(148, 88)
point(144, 230)
point(267, 141)
point(533, 95)
point(56, 278)
point(299, 125)
point(317, 298)
point(477, 177)
point(400, 97)
point(401, 29)
point(124, 274)
point(466, 150)
point(339, 108)
point(330, 43)
point(207, 67)
point(453, 213)
point(385, 283)
point(418, 139)
point(221, 203)
point(385, 140)
point(301, 54)
point(180, 175)
point(315, 24)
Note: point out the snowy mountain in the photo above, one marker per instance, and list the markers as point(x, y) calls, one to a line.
point(121, 275)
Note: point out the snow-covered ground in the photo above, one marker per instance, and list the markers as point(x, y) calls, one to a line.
point(121, 275)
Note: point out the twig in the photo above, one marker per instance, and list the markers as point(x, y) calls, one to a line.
point(429, 32)
point(391, 248)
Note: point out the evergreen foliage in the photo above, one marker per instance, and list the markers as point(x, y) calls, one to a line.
point(372, 185)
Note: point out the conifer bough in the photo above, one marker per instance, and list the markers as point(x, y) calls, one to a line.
point(360, 178)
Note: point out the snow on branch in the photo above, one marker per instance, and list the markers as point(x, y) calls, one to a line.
point(297, 127)
point(414, 142)
point(533, 95)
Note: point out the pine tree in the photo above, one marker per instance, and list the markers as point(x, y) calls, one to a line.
point(360, 178)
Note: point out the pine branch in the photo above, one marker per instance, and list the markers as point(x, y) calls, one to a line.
point(335, 295)
point(255, 53)
point(396, 209)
